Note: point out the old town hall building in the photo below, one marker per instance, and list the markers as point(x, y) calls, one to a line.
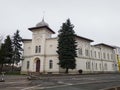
point(40, 53)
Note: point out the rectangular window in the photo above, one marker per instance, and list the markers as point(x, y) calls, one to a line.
point(104, 56)
point(86, 52)
point(80, 51)
point(28, 64)
point(92, 66)
point(108, 56)
point(95, 53)
point(111, 56)
point(87, 65)
point(113, 66)
point(99, 55)
point(39, 49)
point(91, 54)
point(36, 49)
point(50, 64)
point(105, 65)
point(96, 66)
point(100, 66)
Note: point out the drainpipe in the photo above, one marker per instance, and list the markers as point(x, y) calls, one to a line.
point(101, 59)
point(44, 56)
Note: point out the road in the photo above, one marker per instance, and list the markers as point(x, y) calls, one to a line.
point(61, 82)
point(85, 86)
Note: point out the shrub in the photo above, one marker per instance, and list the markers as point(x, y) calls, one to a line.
point(80, 71)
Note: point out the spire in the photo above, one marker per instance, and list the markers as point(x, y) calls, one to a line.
point(43, 16)
point(43, 19)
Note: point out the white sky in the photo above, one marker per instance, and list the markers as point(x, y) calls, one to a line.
point(95, 19)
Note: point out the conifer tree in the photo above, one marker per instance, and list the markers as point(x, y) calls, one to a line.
point(17, 47)
point(8, 50)
point(67, 46)
point(2, 57)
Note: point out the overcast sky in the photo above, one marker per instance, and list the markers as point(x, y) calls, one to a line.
point(95, 19)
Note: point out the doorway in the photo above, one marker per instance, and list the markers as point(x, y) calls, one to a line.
point(38, 65)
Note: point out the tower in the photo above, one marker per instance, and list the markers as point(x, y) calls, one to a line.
point(40, 33)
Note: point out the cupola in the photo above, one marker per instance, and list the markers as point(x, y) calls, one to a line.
point(42, 23)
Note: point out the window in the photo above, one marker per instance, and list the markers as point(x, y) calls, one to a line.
point(80, 51)
point(105, 65)
point(92, 66)
point(104, 55)
point(99, 55)
point(95, 54)
point(96, 66)
point(39, 49)
point(111, 56)
point(91, 53)
point(28, 64)
point(50, 64)
point(36, 49)
point(87, 65)
point(100, 66)
point(113, 66)
point(108, 56)
point(86, 52)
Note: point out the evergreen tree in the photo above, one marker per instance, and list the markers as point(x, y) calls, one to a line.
point(67, 46)
point(8, 50)
point(17, 47)
point(2, 57)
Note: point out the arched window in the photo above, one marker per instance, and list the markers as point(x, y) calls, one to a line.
point(50, 64)
point(39, 49)
point(36, 49)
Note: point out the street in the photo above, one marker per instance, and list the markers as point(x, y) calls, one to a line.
point(61, 82)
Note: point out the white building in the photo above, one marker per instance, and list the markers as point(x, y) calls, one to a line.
point(40, 53)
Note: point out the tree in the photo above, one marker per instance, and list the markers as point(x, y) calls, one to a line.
point(6, 52)
point(2, 57)
point(67, 46)
point(17, 48)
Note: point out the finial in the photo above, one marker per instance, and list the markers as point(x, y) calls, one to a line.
point(43, 16)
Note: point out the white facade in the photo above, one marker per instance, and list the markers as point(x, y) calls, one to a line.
point(40, 53)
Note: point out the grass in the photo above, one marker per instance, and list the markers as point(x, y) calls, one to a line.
point(12, 73)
